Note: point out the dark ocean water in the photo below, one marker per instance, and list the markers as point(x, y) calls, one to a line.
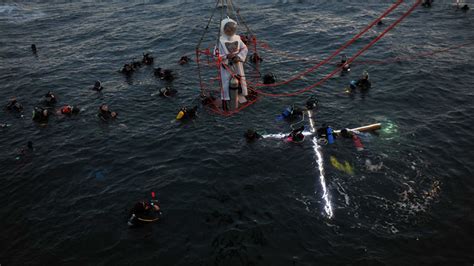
point(227, 202)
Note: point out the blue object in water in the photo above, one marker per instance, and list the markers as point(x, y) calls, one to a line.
point(353, 84)
point(99, 176)
point(287, 112)
point(330, 136)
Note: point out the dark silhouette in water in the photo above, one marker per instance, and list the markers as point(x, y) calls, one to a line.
point(184, 60)
point(105, 114)
point(164, 74)
point(14, 106)
point(427, 3)
point(147, 59)
point(97, 86)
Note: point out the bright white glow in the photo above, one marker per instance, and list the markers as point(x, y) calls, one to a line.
point(283, 135)
point(319, 160)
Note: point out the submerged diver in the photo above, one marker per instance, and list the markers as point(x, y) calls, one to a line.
point(33, 49)
point(252, 135)
point(269, 78)
point(363, 83)
point(184, 60)
point(50, 99)
point(325, 134)
point(127, 69)
point(97, 86)
point(348, 134)
point(345, 66)
point(164, 74)
point(465, 8)
point(168, 92)
point(296, 135)
point(144, 212)
point(14, 106)
point(105, 114)
point(40, 115)
point(427, 3)
point(147, 59)
point(26, 151)
point(186, 113)
point(232, 51)
point(290, 113)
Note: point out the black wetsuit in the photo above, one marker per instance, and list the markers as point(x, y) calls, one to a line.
point(142, 213)
point(50, 100)
point(252, 135)
point(190, 114)
point(105, 115)
point(269, 78)
point(363, 84)
point(168, 92)
point(427, 3)
point(14, 105)
point(147, 59)
point(38, 115)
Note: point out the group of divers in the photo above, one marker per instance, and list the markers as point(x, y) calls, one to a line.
point(146, 211)
point(149, 211)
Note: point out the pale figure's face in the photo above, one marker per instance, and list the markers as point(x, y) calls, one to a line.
point(230, 28)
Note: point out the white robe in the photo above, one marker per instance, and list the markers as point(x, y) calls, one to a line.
point(232, 45)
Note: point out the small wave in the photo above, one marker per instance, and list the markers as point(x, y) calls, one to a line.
point(14, 13)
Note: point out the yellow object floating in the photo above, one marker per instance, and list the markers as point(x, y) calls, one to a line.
point(344, 167)
point(180, 115)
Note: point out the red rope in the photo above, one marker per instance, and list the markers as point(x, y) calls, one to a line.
point(337, 70)
point(355, 38)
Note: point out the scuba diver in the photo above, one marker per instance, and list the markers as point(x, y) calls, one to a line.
point(127, 69)
point(348, 134)
point(345, 66)
point(50, 99)
point(325, 135)
point(232, 52)
point(465, 8)
point(363, 83)
point(269, 78)
point(427, 3)
point(26, 151)
point(33, 49)
point(164, 74)
point(69, 110)
point(147, 59)
point(290, 113)
point(97, 86)
point(144, 212)
point(252, 135)
point(40, 115)
point(184, 60)
point(296, 135)
point(185, 113)
point(136, 64)
point(14, 106)
point(168, 92)
point(105, 114)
